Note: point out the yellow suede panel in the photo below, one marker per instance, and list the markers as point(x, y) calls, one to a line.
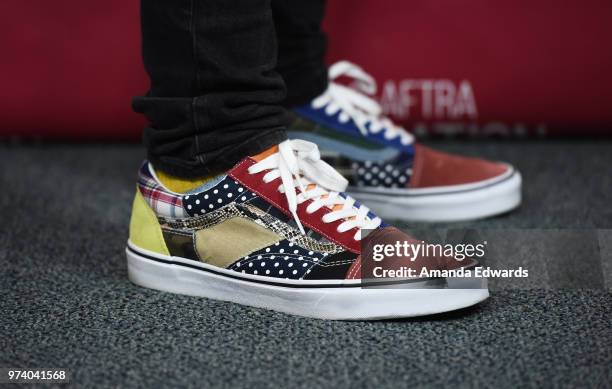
point(179, 184)
point(145, 231)
point(224, 243)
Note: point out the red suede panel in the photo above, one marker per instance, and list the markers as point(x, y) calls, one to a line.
point(255, 183)
point(434, 168)
point(354, 272)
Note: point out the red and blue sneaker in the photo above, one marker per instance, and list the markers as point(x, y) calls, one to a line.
point(386, 169)
point(278, 232)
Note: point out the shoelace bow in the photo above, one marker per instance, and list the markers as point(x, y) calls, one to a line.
point(298, 163)
point(354, 103)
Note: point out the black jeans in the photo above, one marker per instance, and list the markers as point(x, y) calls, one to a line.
point(222, 73)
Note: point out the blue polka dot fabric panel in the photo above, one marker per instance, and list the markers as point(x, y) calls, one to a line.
point(388, 174)
point(283, 259)
point(225, 192)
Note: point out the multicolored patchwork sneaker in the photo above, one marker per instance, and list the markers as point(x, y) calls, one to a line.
point(386, 169)
point(277, 232)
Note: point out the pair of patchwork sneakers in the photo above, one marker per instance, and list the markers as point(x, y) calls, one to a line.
point(278, 230)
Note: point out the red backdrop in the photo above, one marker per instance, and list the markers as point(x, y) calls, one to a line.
point(69, 69)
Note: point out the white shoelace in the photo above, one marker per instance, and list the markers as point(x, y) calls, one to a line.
point(354, 103)
point(298, 163)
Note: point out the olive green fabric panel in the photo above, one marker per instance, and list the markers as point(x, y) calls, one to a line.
point(180, 244)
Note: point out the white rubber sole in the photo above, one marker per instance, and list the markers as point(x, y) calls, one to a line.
point(336, 300)
point(445, 204)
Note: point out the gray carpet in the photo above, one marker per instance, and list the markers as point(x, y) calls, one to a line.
point(66, 301)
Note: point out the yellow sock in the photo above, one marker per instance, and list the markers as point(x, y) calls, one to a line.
point(180, 184)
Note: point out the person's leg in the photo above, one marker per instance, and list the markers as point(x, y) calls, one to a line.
point(215, 96)
point(301, 48)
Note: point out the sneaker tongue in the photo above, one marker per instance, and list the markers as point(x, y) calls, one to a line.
point(273, 150)
point(266, 153)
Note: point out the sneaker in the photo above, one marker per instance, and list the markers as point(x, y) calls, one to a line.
point(396, 177)
point(277, 232)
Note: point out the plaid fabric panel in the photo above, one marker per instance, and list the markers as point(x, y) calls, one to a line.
point(163, 203)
